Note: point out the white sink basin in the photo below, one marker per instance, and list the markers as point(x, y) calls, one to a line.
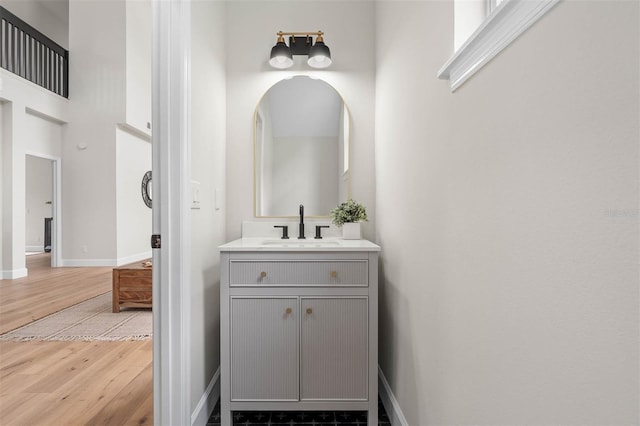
point(300, 243)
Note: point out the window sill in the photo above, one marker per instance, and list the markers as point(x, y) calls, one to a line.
point(504, 25)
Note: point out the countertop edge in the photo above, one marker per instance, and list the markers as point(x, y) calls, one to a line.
point(256, 245)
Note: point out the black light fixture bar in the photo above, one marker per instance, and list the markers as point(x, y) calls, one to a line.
point(300, 43)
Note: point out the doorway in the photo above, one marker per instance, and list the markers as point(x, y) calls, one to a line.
point(42, 206)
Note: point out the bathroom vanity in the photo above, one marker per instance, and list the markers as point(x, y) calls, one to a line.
point(299, 326)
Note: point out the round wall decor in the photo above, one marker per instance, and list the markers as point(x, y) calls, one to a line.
point(146, 188)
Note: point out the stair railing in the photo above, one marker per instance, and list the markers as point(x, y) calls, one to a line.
point(30, 54)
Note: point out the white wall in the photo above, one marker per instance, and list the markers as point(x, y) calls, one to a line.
point(138, 65)
point(97, 98)
point(107, 49)
point(42, 135)
point(208, 137)
point(508, 219)
point(349, 32)
point(50, 17)
point(39, 195)
point(32, 123)
point(133, 217)
point(110, 105)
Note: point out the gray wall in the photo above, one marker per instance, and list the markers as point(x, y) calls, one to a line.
point(207, 167)
point(508, 219)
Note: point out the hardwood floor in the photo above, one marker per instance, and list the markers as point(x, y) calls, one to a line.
point(76, 383)
point(68, 383)
point(47, 290)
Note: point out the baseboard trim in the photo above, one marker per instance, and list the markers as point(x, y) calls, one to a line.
point(207, 403)
point(88, 262)
point(106, 262)
point(390, 402)
point(134, 258)
point(13, 274)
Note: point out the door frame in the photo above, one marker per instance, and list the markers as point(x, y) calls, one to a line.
point(56, 208)
point(171, 142)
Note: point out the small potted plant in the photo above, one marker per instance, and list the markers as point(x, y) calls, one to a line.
point(348, 216)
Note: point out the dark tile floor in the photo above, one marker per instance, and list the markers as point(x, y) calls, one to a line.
point(299, 418)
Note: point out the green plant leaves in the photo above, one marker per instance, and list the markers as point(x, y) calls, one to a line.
point(348, 212)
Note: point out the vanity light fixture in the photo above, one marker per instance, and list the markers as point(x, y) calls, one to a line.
point(300, 43)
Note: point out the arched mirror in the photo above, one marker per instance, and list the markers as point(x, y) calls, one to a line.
point(301, 149)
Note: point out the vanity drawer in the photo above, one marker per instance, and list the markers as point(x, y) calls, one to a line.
point(299, 272)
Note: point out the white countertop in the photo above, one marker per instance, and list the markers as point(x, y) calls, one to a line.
point(294, 244)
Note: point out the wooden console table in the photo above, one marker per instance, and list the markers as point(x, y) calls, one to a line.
point(132, 286)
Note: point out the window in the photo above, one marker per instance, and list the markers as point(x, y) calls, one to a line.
point(483, 28)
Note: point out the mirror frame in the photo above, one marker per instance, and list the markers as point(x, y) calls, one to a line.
point(255, 152)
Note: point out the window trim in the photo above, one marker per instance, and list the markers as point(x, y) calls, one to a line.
point(510, 19)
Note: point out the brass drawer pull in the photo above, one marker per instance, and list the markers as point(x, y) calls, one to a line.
point(334, 274)
point(288, 311)
point(309, 311)
point(263, 274)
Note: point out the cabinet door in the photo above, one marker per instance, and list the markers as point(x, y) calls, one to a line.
point(264, 348)
point(334, 348)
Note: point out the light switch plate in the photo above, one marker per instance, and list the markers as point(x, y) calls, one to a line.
point(218, 199)
point(195, 195)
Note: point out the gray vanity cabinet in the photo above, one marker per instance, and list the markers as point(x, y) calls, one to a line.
point(264, 350)
point(334, 348)
point(298, 331)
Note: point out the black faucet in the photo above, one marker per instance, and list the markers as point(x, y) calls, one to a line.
point(285, 231)
point(301, 226)
point(319, 231)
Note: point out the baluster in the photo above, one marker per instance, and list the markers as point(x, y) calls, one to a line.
point(6, 44)
point(1, 41)
point(14, 31)
point(19, 43)
point(27, 60)
point(23, 56)
point(54, 71)
point(18, 52)
point(49, 53)
point(40, 63)
point(66, 74)
point(32, 59)
point(60, 73)
point(5, 50)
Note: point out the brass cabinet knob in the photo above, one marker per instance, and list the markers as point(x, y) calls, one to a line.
point(309, 311)
point(263, 274)
point(288, 311)
point(334, 274)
